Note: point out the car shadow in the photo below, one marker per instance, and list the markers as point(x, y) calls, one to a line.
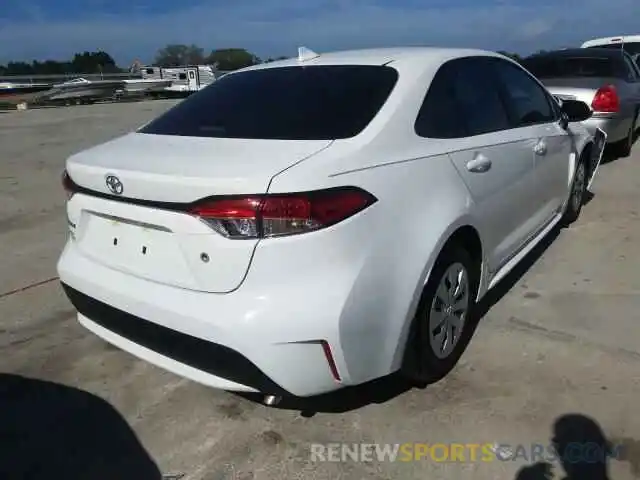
point(54, 431)
point(387, 388)
point(582, 450)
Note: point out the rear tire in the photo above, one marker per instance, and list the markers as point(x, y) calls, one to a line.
point(577, 193)
point(442, 325)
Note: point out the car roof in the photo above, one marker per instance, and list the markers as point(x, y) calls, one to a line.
point(578, 52)
point(379, 56)
point(611, 40)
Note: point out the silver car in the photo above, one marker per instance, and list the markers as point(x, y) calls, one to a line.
point(606, 79)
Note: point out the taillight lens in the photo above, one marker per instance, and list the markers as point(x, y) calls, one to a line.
point(606, 100)
point(276, 215)
point(68, 184)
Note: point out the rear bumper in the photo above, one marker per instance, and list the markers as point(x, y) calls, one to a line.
point(615, 127)
point(242, 341)
point(169, 348)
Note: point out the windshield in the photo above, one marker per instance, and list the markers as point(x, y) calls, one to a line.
point(564, 66)
point(284, 103)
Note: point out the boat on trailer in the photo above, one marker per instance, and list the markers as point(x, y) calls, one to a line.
point(80, 90)
point(11, 92)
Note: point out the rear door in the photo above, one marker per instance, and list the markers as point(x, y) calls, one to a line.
point(495, 161)
point(532, 112)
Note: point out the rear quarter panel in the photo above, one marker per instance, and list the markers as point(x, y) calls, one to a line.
point(421, 202)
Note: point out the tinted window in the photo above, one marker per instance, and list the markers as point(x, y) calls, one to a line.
point(477, 95)
point(564, 66)
point(632, 48)
point(632, 68)
point(527, 101)
point(439, 116)
point(289, 103)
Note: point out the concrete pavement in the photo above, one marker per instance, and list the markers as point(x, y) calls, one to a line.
point(560, 338)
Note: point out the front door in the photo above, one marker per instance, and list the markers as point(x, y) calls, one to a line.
point(192, 79)
point(532, 111)
point(494, 160)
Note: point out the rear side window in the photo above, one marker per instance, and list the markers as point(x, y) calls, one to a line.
point(566, 67)
point(285, 103)
point(439, 116)
point(478, 97)
point(463, 100)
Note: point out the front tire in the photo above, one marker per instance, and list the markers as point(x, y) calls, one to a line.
point(442, 324)
point(577, 194)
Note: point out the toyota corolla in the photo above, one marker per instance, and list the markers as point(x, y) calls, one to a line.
point(318, 222)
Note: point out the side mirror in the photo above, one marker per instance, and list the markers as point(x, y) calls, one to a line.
point(575, 110)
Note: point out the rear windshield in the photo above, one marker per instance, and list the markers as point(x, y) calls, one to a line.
point(285, 103)
point(561, 66)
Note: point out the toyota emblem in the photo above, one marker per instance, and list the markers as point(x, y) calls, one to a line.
point(114, 184)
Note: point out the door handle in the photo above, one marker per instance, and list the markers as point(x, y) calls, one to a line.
point(540, 148)
point(479, 164)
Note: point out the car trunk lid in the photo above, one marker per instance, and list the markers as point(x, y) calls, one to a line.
point(184, 169)
point(146, 229)
point(576, 88)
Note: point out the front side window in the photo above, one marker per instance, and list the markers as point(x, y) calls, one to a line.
point(527, 101)
point(284, 103)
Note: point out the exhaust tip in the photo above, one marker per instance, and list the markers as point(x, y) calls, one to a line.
point(272, 400)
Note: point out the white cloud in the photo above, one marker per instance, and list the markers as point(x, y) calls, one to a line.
point(274, 27)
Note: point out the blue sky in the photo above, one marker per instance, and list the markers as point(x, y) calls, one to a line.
point(130, 29)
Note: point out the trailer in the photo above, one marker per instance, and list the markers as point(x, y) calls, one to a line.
point(185, 79)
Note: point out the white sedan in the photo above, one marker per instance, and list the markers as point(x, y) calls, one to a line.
point(322, 221)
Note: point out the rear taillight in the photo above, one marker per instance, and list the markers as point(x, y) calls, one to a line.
point(276, 215)
point(68, 184)
point(606, 100)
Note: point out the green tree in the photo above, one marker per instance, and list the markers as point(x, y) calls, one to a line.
point(93, 62)
point(513, 56)
point(177, 55)
point(232, 58)
point(85, 62)
point(272, 59)
point(19, 68)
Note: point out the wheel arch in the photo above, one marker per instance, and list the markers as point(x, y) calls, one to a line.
point(462, 233)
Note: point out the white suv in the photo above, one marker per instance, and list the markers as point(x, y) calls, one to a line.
point(322, 221)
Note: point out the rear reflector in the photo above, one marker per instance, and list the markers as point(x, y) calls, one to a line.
point(68, 184)
point(330, 360)
point(264, 216)
point(606, 100)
